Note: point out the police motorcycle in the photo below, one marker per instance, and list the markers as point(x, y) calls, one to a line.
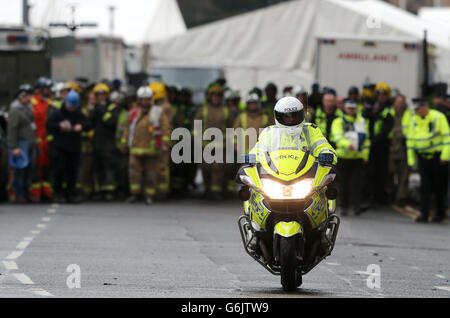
point(289, 223)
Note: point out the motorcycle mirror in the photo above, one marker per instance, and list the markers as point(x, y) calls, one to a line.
point(249, 158)
point(244, 194)
point(247, 181)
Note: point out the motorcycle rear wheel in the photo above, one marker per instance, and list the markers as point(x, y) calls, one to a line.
point(288, 260)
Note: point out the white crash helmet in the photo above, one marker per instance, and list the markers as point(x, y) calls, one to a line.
point(289, 113)
point(144, 92)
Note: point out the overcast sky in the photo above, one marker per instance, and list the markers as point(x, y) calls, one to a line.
point(136, 21)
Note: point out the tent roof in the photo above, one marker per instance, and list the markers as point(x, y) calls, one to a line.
point(286, 32)
point(439, 17)
point(136, 21)
point(399, 19)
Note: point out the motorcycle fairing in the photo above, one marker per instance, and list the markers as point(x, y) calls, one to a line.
point(287, 164)
point(288, 229)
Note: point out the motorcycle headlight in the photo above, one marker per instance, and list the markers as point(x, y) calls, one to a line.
point(277, 191)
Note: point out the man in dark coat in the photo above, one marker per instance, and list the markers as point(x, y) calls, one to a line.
point(66, 125)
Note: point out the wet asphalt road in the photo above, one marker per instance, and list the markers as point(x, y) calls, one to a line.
point(193, 249)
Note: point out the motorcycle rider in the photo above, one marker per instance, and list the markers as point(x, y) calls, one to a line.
point(290, 116)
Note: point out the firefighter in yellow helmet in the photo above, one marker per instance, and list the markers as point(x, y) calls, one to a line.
point(104, 121)
point(214, 114)
point(160, 101)
point(74, 86)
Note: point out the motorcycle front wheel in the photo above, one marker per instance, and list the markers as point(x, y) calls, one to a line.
point(290, 278)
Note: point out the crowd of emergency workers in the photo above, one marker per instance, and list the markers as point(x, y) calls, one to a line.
point(69, 142)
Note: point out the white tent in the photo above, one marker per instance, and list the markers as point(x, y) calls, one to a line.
point(278, 43)
point(136, 21)
point(438, 16)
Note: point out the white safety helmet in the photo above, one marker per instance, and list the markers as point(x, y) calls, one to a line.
point(253, 97)
point(59, 87)
point(117, 97)
point(289, 113)
point(144, 92)
point(299, 90)
point(232, 94)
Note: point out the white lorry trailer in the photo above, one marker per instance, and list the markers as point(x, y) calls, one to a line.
point(344, 61)
point(92, 58)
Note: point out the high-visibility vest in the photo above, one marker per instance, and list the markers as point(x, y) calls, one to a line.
point(428, 136)
point(347, 130)
point(311, 139)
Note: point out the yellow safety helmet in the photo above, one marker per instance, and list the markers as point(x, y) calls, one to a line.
point(99, 88)
point(382, 87)
point(367, 93)
point(215, 89)
point(159, 90)
point(74, 86)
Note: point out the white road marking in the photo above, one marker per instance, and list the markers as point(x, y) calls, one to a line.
point(22, 245)
point(392, 258)
point(24, 279)
point(332, 264)
point(414, 267)
point(55, 205)
point(367, 273)
point(447, 288)
point(14, 255)
point(10, 265)
point(440, 276)
point(40, 292)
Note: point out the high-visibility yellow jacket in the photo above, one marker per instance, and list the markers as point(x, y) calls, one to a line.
point(311, 139)
point(428, 136)
point(347, 130)
point(323, 120)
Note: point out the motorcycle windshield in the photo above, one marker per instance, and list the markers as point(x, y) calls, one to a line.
point(282, 152)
